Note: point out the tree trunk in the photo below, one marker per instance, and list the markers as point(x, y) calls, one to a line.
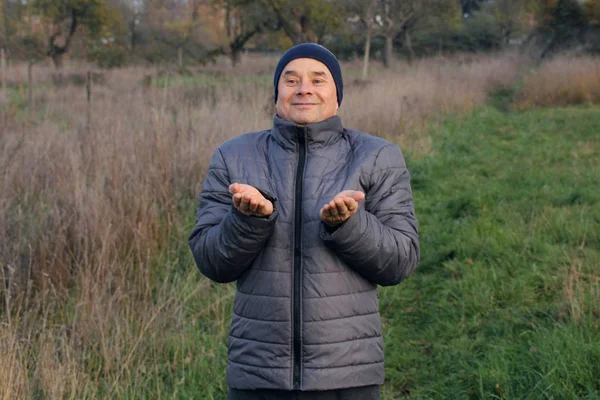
point(57, 58)
point(132, 32)
point(3, 67)
point(4, 10)
point(295, 36)
point(294, 29)
point(237, 44)
point(408, 42)
point(367, 55)
point(57, 52)
point(88, 90)
point(389, 50)
point(30, 85)
point(180, 57)
point(365, 70)
point(235, 56)
point(389, 35)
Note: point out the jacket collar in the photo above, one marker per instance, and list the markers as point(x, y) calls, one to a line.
point(319, 134)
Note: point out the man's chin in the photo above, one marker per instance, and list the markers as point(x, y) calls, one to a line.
point(304, 119)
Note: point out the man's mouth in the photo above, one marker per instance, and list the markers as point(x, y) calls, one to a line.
point(304, 105)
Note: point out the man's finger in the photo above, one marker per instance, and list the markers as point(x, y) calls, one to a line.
point(357, 195)
point(342, 209)
point(260, 207)
point(252, 205)
point(236, 199)
point(234, 188)
point(351, 204)
point(323, 210)
point(264, 208)
point(245, 202)
point(333, 208)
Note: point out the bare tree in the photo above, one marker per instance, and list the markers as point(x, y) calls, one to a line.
point(133, 13)
point(510, 16)
point(4, 22)
point(402, 18)
point(243, 20)
point(397, 15)
point(293, 21)
point(358, 15)
point(306, 21)
point(175, 24)
point(3, 43)
point(66, 16)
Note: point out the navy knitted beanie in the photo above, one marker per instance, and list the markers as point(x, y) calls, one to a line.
point(317, 52)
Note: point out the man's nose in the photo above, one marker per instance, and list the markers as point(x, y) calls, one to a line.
point(305, 87)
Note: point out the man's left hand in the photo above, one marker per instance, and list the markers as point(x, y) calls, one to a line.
point(343, 206)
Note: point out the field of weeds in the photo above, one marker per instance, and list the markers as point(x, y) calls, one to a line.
point(100, 297)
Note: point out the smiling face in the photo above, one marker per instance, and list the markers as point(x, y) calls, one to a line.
point(306, 92)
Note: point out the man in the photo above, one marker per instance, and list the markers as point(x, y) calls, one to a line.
point(308, 217)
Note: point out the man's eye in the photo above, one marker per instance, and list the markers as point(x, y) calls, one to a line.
point(291, 81)
point(318, 81)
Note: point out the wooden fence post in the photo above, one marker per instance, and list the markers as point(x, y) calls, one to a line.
point(88, 89)
point(30, 85)
point(3, 67)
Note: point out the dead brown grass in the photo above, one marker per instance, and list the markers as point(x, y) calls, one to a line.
point(89, 297)
point(13, 371)
point(403, 103)
point(84, 216)
point(562, 81)
point(581, 292)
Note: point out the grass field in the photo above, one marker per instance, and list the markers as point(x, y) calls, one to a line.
point(506, 302)
point(101, 298)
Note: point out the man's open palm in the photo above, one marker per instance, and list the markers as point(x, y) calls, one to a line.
point(248, 200)
point(343, 206)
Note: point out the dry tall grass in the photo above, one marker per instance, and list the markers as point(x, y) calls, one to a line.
point(402, 103)
point(581, 292)
point(84, 216)
point(562, 81)
point(89, 300)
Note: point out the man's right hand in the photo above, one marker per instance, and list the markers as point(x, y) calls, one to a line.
point(248, 200)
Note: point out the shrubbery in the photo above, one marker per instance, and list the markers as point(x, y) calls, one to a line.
point(106, 56)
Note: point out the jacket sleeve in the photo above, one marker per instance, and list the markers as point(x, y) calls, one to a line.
point(224, 241)
point(381, 240)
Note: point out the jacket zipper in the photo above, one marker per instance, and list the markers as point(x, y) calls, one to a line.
point(297, 279)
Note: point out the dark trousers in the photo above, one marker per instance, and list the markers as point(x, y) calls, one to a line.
point(358, 393)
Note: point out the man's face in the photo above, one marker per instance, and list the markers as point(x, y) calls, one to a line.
point(306, 92)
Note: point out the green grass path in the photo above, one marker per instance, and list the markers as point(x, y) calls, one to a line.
point(506, 301)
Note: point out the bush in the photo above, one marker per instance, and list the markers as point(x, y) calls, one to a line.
point(347, 46)
point(31, 48)
point(108, 56)
point(483, 32)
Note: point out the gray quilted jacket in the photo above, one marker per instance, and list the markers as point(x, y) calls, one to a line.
point(306, 309)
